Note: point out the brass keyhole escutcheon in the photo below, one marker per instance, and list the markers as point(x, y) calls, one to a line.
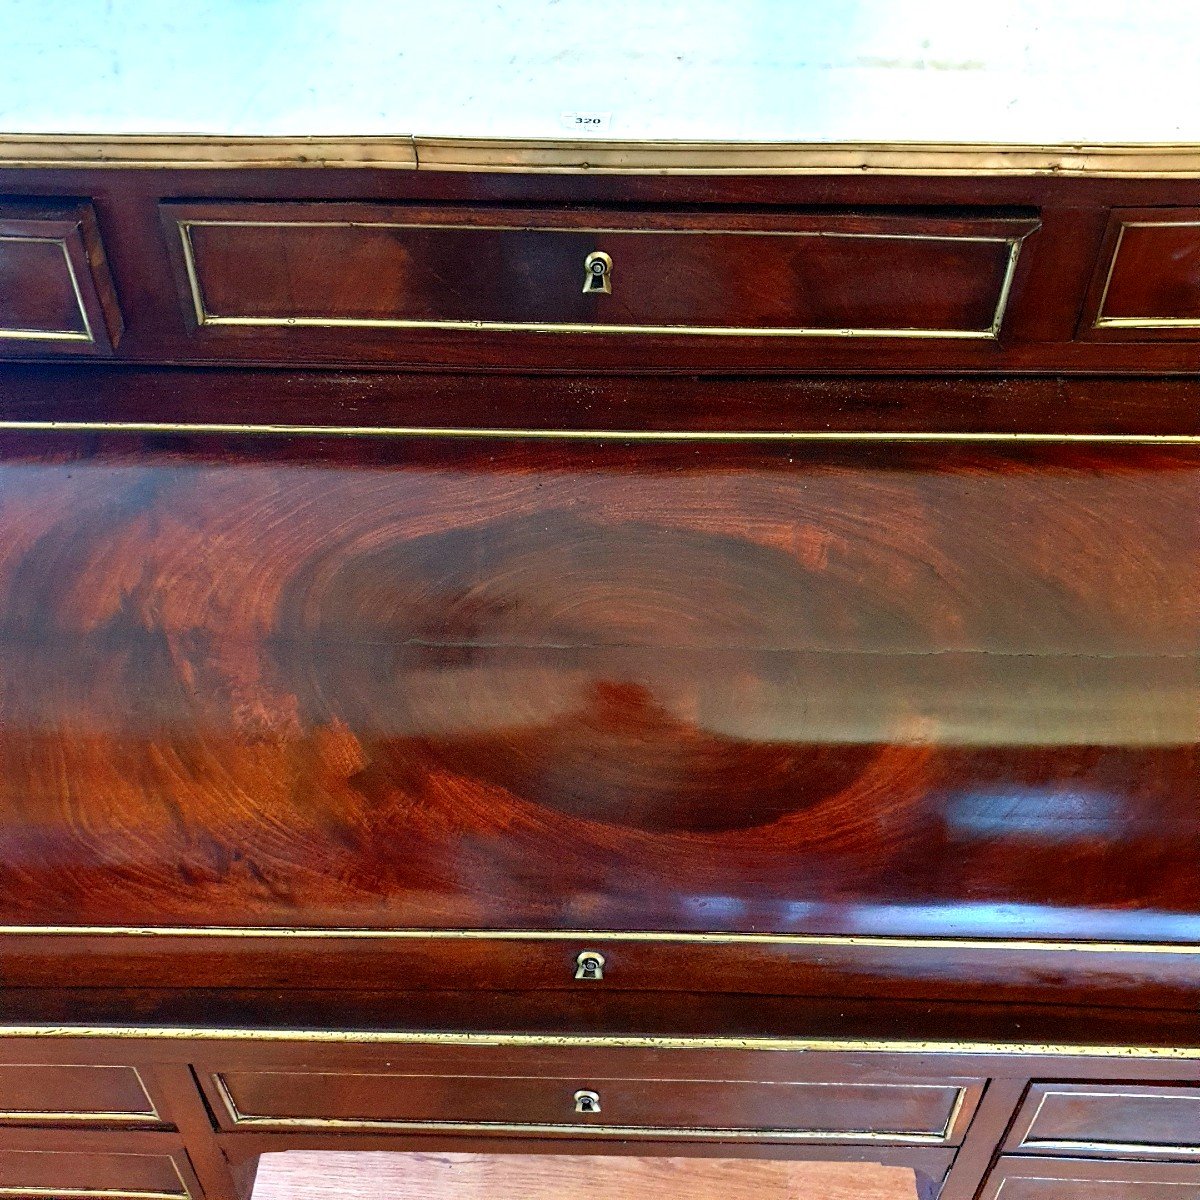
point(589, 964)
point(587, 1102)
point(597, 273)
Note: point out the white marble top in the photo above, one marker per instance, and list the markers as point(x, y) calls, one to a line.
point(1007, 71)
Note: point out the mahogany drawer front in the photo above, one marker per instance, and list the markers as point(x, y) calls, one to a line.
point(1076, 1179)
point(314, 267)
point(593, 1104)
point(1109, 1120)
point(114, 1175)
point(1147, 282)
point(53, 1093)
point(56, 295)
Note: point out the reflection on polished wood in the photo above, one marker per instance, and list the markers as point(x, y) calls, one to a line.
point(363, 1175)
point(756, 689)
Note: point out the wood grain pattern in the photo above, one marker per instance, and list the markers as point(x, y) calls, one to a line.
point(1115, 1121)
point(301, 265)
point(313, 1175)
point(434, 684)
point(56, 294)
point(850, 1110)
point(1147, 282)
point(1047, 1179)
point(1039, 335)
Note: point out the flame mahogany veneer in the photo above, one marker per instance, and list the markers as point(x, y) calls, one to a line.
point(421, 730)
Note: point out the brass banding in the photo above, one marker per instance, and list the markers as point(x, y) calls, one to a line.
point(270, 429)
point(206, 318)
point(1103, 322)
point(938, 1137)
point(1142, 160)
point(55, 335)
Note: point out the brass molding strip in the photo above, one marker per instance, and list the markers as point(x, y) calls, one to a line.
point(204, 317)
point(1028, 1145)
point(58, 1117)
point(203, 151)
point(89, 1194)
point(55, 335)
point(1147, 160)
point(592, 1041)
point(148, 1114)
point(766, 1133)
point(586, 435)
point(1103, 322)
point(861, 941)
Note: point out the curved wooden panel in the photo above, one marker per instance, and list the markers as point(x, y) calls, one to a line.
point(907, 690)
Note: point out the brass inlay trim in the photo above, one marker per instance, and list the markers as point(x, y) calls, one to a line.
point(55, 1116)
point(106, 1193)
point(53, 335)
point(1147, 160)
point(765, 1133)
point(1103, 322)
point(873, 941)
point(90, 1193)
point(204, 317)
point(595, 1041)
point(1076, 1145)
point(588, 435)
point(939, 1138)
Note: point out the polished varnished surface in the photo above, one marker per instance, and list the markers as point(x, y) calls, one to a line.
point(391, 682)
point(314, 1175)
point(928, 286)
point(56, 295)
point(850, 1110)
point(348, 265)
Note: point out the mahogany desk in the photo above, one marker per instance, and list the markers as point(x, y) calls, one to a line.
point(618, 649)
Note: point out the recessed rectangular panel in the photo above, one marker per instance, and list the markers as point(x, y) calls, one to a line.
point(1073, 1179)
point(851, 1111)
point(56, 295)
point(310, 266)
point(56, 1093)
point(1147, 283)
point(64, 1173)
point(1116, 1119)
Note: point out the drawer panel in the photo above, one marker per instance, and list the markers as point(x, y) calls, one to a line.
point(54, 1093)
point(594, 1104)
point(56, 295)
point(1086, 1119)
point(1074, 1179)
point(1147, 284)
point(472, 694)
point(328, 266)
point(65, 1173)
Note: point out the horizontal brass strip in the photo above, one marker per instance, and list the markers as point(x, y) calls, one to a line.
point(623, 1131)
point(89, 1194)
point(1148, 160)
point(863, 941)
point(595, 1041)
point(1141, 1149)
point(617, 435)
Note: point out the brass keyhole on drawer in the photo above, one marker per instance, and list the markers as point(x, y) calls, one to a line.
point(597, 273)
point(589, 964)
point(587, 1102)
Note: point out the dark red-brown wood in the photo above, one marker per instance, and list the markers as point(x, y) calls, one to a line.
point(301, 275)
point(1147, 282)
point(1045, 306)
point(56, 294)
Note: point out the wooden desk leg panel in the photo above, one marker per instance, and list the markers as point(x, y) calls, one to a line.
point(176, 1095)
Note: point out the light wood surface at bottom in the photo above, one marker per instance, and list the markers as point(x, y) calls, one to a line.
point(371, 1175)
